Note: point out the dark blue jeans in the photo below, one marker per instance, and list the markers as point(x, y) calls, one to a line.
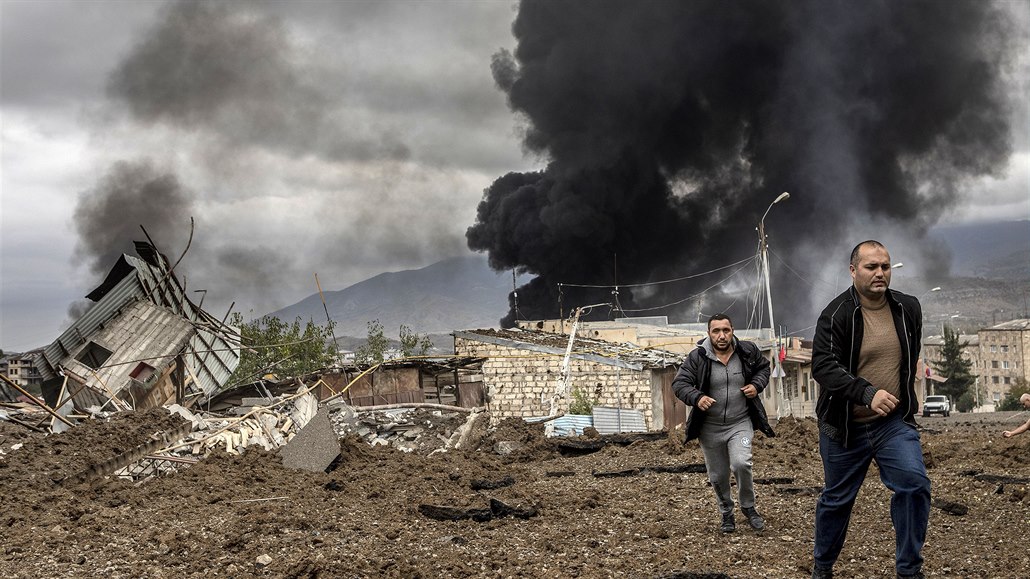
point(899, 455)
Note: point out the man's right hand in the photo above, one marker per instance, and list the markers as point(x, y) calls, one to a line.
point(884, 403)
point(705, 402)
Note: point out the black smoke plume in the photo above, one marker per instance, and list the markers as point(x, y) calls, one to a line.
point(669, 127)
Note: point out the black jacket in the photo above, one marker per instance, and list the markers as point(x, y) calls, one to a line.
point(838, 341)
point(692, 382)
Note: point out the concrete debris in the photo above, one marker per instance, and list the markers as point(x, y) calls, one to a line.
point(408, 429)
point(315, 447)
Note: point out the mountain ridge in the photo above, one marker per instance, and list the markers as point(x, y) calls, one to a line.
point(463, 292)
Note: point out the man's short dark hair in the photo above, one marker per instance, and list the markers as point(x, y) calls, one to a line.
point(716, 317)
point(870, 242)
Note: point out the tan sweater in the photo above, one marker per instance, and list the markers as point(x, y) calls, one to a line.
point(879, 360)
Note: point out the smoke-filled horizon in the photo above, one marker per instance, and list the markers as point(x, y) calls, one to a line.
point(669, 128)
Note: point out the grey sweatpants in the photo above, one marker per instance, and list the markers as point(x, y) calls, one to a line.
point(727, 447)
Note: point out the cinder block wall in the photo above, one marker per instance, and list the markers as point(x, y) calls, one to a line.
point(519, 383)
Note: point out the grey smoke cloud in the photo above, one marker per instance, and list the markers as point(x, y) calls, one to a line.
point(316, 137)
point(132, 193)
point(670, 126)
point(224, 68)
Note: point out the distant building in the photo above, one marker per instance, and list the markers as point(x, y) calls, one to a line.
point(522, 370)
point(800, 391)
point(20, 369)
point(1004, 357)
point(931, 356)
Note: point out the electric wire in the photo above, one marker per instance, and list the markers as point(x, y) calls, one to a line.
point(701, 293)
point(695, 275)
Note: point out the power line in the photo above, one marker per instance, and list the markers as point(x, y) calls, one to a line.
point(560, 284)
point(704, 291)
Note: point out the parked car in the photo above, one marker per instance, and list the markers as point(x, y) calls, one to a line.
point(937, 405)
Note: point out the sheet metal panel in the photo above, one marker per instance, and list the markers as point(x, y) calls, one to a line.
point(615, 420)
point(568, 425)
point(125, 291)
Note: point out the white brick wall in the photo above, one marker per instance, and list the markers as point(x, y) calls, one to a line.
point(519, 382)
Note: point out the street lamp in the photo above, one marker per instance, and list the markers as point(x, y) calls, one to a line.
point(764, 250)
point(936, 289)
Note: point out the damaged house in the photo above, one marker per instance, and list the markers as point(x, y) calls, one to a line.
point(142, 343)
point(522, 369)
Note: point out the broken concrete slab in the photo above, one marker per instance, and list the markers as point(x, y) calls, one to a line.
point(315, 447)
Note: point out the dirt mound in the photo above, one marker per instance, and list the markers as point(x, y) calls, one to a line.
point(638, 509)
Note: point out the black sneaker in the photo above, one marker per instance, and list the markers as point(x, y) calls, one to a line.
point(822, 572)
point(728, 525)
point(753, 518)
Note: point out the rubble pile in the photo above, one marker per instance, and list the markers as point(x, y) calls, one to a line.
point(420, 430)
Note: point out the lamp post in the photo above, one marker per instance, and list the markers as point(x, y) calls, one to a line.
point(763, 250)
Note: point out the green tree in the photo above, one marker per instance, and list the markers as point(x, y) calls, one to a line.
point(373, 351)
point(953, 366)
point(966, 402)
point(412, 344)
point(1011, 399)
point(270, 345)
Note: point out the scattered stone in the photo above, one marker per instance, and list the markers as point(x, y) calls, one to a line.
point(446, 513)
point(502, 509)
point(506, 447)
point(263, 560)
point(950, 507)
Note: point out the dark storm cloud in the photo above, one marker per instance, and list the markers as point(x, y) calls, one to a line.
point(221, 67)
point(108, 216)
point(670, 126)
point(54, 53)
point(256, 94)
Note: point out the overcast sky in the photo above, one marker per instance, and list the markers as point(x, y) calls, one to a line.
point(339, 138)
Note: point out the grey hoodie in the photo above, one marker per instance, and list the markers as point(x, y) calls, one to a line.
point(725, 383)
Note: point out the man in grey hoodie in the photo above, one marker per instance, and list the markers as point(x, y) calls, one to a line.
point(721, 379)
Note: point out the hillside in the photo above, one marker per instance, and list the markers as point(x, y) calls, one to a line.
point(460, 292)
point(990, 283)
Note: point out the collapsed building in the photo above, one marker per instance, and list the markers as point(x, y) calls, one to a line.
point(141, 344)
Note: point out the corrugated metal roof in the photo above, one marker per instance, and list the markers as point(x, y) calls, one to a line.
point(567, 425)
point(210, 358)
point(113, 301)
point(1023, 324)
point(622, 355)
point(615, 420)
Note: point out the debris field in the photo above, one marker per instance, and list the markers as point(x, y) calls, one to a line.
point(401, 498)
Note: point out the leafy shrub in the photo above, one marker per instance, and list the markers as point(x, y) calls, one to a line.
point(581, 403)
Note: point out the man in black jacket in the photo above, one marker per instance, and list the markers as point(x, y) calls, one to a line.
point(864, 358)
point(721, 379)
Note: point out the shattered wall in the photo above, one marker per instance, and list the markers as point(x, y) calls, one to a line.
point(520, 382)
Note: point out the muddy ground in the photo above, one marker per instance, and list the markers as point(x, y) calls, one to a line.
point(249, 516)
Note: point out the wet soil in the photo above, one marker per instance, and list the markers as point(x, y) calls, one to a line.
point(627, 510)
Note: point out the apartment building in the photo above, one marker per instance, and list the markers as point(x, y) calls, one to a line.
point(1004, 357)
point(931, 357)
point(21, 369)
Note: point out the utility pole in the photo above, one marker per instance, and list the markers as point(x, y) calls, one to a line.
point(764, 251)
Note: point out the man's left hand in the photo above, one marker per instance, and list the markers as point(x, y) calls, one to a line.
point(749, 390)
